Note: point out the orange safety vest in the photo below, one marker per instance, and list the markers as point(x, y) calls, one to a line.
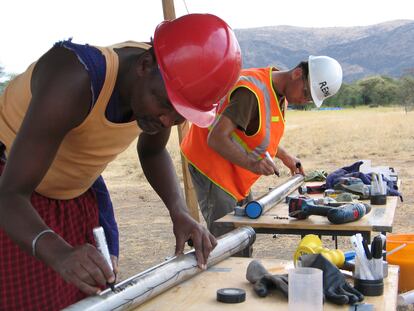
point(232, 178)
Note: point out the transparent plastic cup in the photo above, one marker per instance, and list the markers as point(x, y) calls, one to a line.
point(305, 289)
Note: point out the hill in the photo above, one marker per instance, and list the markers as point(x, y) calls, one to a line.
point(384, 49)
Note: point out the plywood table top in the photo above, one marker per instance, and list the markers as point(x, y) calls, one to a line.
point(199, 292)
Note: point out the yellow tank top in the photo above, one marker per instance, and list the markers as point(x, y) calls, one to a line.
point(87, 149)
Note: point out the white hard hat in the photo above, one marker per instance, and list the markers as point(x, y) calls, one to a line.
point(325, 78)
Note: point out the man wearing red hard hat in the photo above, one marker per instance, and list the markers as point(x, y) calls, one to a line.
point(70, 114)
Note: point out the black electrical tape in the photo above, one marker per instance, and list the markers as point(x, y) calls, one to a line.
point(231, 295)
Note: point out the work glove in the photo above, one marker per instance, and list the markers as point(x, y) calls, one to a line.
point(318, 175)
point(263, 281)
point(353, 185)
point(335, 288)
point(346, 197)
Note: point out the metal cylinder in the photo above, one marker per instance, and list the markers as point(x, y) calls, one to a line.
point(149, 283)
point(260, 206)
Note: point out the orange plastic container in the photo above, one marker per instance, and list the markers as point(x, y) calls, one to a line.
point(403, 258)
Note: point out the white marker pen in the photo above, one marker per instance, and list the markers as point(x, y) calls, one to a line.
point(270, 159)
point(102, 246)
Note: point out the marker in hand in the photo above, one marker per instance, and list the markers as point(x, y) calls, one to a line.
point(102, 246)
point(270, 159)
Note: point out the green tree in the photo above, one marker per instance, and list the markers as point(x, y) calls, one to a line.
point(349, 95)
point(378, 90)
point(4, 79)
point(2, 83)
point(406, 92)
point(390, 90)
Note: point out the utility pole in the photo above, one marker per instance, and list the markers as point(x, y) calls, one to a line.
point(190, 197)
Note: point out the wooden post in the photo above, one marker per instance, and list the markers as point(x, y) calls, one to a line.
point(190, 197)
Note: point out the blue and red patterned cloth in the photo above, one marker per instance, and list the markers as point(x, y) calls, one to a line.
point(28, 284)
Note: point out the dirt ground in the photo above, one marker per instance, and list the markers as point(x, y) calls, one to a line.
point(324, 140)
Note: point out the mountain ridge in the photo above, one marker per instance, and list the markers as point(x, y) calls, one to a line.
point(381, 49)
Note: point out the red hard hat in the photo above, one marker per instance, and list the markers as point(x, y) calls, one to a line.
point(200, 60)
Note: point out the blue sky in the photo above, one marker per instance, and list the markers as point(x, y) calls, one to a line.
point(29, 28)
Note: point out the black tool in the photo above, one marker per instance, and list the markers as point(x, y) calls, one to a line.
point(368, 253)
point(376, 247)
point(376, 250)
point(312, 189)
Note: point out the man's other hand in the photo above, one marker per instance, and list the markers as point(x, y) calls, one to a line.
point(185, 228)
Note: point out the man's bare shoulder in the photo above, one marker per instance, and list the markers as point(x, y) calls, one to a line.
point(57, 66)
point(60, 84)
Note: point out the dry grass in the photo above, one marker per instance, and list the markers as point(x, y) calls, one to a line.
point(322, 139)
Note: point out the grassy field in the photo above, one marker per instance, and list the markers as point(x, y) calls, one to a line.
point(321, 139)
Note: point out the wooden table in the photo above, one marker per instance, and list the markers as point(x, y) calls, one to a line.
point(199, 292)
point(380, 219)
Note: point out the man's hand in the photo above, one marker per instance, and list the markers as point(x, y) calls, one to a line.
point(294, 165)
point(263, 167)
point(291, 162)
point(185, 228)
point(83, 266)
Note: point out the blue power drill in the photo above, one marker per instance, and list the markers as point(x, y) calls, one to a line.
point(302, 208)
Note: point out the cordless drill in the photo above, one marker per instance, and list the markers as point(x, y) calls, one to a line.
point(302, 208)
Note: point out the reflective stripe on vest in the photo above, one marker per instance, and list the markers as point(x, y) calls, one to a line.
point(232, 178)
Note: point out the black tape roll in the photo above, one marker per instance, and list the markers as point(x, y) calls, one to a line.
point(231, 295)
point(379, 199)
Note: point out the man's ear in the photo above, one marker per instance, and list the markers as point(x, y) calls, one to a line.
point(297, 73)
point(146, 64)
